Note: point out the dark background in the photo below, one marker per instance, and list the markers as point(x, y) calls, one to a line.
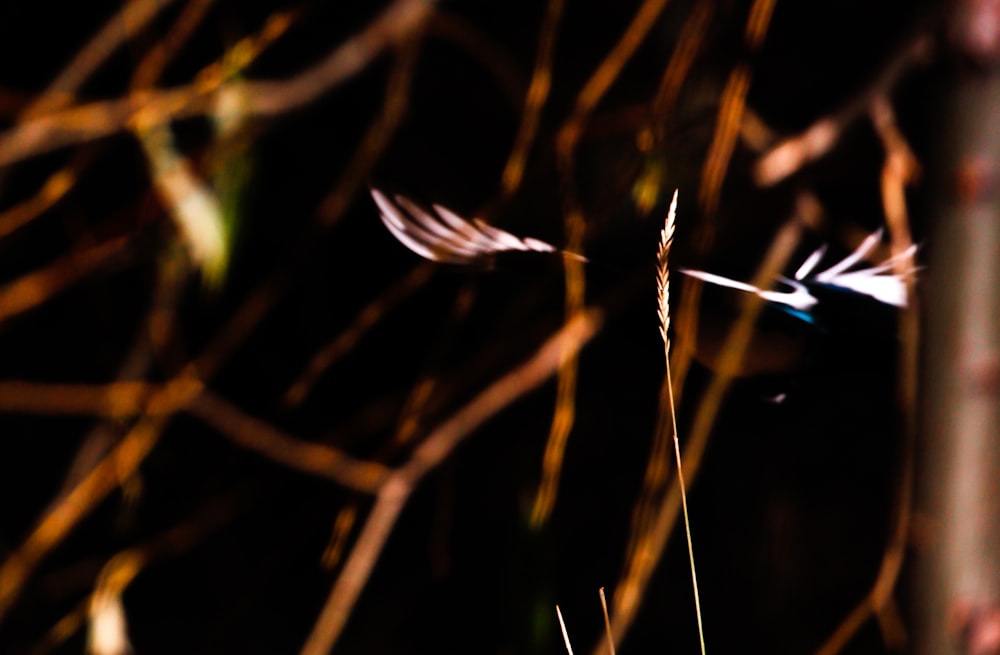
point(790, 511)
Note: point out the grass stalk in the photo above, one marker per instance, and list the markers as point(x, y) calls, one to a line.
point(663, 293)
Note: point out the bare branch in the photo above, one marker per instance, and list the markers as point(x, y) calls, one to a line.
point(311, 458)
point(101, 119)
point(793, 153)
point(393, 495)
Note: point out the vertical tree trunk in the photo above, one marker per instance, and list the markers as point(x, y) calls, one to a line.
point(960, 590)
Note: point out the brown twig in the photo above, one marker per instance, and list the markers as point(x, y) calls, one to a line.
point(376, 138)
point(137, 444)
point(116, 400)
point(121, 462)
point(534, 101)
point(731, 107)
point(328, 213)
point(407, 426)
point(149, 344)
point(341, 344)
point(689, 44)
point(397, 23)
point(52, 191)
point(720, 152)
point(504, 67)
point(41, 285)
point(310, 458)
point(164, 50)
point(607, 72)
point(575, 225)
point(121, 27)
point(439, 444)
point(791, 154)
point(650, 139)
point(119, 570)
point(103, 118)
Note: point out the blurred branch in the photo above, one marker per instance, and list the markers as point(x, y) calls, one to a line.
point(146, 109)
point(119, 570)
point(397, 23)
point(650, 139)
point(332, 207)
point(408, 425)
point(164, 50)
point(173, 396)
point(605, 75)
point(131, 19)
point(418, 400)
point(731, 106)
point(534, 101)
point(791, 154)
point(438, 445)
point(307, 457)
point(376, 138)
point(483, 47)
point(340, 345)
point(900, 168)
point(149, 344)
point(41, 285)
point(116, 400)
point(106, 475)
point(575, 226)
point(689, 44)
point(52, 191)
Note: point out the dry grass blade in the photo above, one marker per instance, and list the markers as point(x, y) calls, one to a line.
point(605, 75)
point(565, 634)
point(607, 622)
point(656, 476)
point(663, 294)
